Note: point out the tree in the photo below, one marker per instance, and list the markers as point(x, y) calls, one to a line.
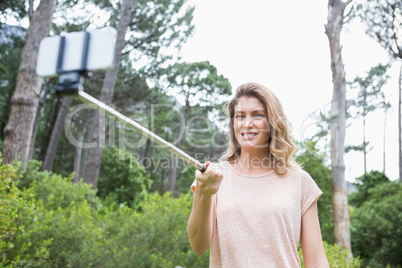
point(370, 98)
point(384, 24)
point(94, 158)
point(74, 23)
point(400, 124)
point(57, 151)
point(13, 40)
point(18, 132)
point(333, 29)
point(56, 133)
point(15, 8)
point(200, 83)
point(386, 108)
point(148, 31)
point(43, 117)
point(43, 96)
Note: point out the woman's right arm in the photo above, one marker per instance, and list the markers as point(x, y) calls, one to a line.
point(200, 224)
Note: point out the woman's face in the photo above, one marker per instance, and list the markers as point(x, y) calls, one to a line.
point(251, 124)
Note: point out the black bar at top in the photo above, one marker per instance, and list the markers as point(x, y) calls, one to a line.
point(60, 54)
point(85, 49)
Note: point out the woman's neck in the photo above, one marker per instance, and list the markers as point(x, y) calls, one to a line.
point(253, 163)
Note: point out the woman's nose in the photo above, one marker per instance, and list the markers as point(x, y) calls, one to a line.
point(248, 123)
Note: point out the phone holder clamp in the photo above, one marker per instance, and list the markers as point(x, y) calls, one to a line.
point(71, 82)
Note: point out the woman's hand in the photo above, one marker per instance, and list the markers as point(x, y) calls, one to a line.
point(208, 182)
point(201, 221)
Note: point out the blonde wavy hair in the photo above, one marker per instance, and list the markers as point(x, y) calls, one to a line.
point(281, 147)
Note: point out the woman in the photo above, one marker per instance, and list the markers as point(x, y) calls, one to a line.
point(254, 206)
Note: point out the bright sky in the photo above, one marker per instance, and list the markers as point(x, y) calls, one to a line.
point(282, 44)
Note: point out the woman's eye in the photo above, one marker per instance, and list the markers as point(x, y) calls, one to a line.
point(239, 116)
point(259, 115)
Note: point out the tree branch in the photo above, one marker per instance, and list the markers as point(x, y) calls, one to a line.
point(399, 51)
point(30, 10)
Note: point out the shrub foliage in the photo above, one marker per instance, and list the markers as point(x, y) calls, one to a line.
point(52, 222)
point(376, 228)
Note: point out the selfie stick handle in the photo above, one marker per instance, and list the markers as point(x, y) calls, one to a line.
point(147, 133)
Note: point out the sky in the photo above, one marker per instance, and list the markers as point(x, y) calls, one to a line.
point(282, 45)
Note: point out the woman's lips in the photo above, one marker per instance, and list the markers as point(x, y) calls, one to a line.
point(249, 134)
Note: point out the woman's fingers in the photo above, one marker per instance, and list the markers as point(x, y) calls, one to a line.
point(206, 174)
point(208, 182)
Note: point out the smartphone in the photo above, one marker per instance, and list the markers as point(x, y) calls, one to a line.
point(65, 53)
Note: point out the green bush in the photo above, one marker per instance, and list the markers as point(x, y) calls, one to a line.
point(53, 189)
point(9, 201)
point(28, 173)
point(16, 213)
point(69, 236)
point(364, 184)
point(154, 237)
point(376, 228)
point(122, 179)
point(66, 214)
point(53, 220)
point(55, 223)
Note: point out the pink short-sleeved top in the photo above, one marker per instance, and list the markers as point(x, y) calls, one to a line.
point(258, 218)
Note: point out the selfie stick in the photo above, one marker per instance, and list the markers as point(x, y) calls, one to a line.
point(70, 83)
point(147, 133)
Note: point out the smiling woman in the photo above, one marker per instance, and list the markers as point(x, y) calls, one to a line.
point(259, 128)
point(254, 206)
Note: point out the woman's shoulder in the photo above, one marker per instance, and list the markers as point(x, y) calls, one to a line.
point(298, 172)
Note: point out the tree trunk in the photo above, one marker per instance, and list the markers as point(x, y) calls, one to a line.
point(364, 143)
point(399, 125)
point(56, 133)
point(79, 150)
point(87, 139)
point(19, 129)
point(383, 141)
point(78, 155)
point(338, 125)
point(172, 176)
point(364, 130)
point(145, 152)
point(95, 154)
point(6, 112)
point(45, 90)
